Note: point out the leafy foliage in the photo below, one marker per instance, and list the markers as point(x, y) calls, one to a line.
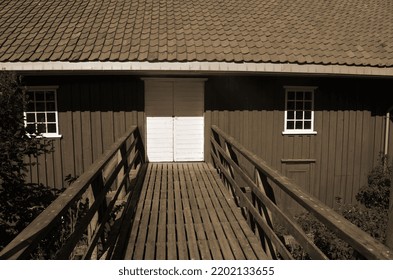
point(50, 245)
point(19, 206)
point(20, 203)
point(370, 215)
point(15, 143)
point(376, 193)
point(333, 247)
point(371, 220)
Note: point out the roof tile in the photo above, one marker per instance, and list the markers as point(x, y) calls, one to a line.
point(299, 31)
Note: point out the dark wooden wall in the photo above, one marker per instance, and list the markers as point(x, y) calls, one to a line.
point(93, 113)
point(349, 120)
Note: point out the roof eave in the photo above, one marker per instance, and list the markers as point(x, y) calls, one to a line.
point(197, 67)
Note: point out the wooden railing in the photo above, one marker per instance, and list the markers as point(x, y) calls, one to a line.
point(84, 221)
point(254, 185)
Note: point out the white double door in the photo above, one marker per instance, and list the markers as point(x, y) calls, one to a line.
point(174, 120)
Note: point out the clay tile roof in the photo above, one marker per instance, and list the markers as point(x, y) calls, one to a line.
point(335, 32)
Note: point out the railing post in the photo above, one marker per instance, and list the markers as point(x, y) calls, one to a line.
point(264, 186)
point(232, 155)
point(216, 137)
point(122, 159)
point(139, 148)
point(229, 151)
point(93, 225)
point(97, 187)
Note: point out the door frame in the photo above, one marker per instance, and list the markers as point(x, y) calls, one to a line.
point(175, 79)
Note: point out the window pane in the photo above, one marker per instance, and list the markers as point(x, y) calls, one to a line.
point(50, 106)
point(307, 105)
point(41, 128)
point(299, 105)
point(30, 117)
point(30, 128)
point(40, 106)
point(299, 109)
point(41, 118)
point(291, 95)
point(50, 117)
point(291, 105)
point(39, 96)
point(50, 96)
point(41, 111)
point(299, 95)
point(307, 95)
point(52, 128)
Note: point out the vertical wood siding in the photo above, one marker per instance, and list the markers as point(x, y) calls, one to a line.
point(349, 120)
point(93, 113)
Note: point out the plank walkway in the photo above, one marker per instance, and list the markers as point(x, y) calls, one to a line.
point(186, 213)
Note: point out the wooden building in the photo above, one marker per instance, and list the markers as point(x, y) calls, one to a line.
point(305, 85)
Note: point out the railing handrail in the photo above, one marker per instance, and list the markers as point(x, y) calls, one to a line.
point(19, 247)
point(358, 239)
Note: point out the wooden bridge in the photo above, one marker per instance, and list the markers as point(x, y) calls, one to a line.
point(125, 208)
point(185, 212)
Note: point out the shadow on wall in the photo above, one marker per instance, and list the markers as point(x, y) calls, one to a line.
point(260, 93)
point(94, 93)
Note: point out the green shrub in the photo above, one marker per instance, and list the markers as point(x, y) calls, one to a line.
point(370, 215)
point(20, 203)
point(371, 220)
point(333, 247)
point(376, 193)
point(15, 143)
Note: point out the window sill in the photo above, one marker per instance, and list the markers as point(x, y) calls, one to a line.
point(52, 135)
point(299, 132)
point(48, 135)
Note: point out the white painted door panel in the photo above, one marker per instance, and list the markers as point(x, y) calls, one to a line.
point(174, 119)
point(159, 139)
point(188, 138)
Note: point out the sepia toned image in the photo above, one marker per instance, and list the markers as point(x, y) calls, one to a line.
point(196, 130)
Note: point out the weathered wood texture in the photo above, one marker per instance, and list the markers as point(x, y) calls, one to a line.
point(105, 185)
point(256, 193)
point(185, 212)
point(349, 121)
point(93, 113)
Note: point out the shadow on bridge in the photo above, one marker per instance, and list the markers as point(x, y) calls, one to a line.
point(125, 208)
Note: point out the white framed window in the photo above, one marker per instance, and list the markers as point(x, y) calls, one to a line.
point(41, 114)
point(299, 110)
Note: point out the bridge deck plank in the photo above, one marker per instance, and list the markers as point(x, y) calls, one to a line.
point(185, 212)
